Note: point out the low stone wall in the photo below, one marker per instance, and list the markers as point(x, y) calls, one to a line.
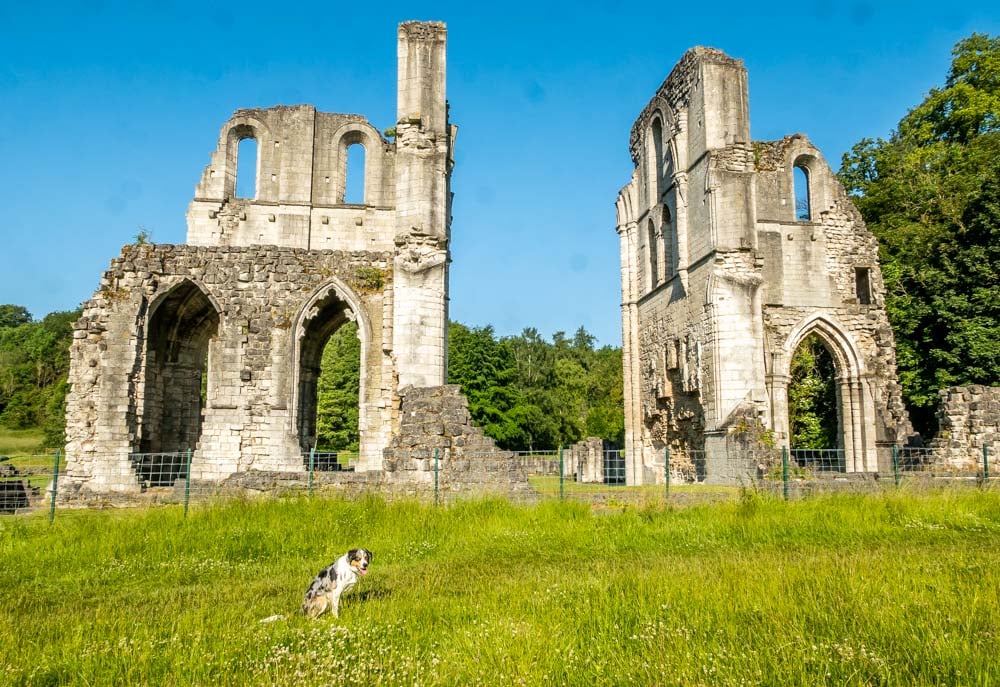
point(968, 419)
point(436, 419)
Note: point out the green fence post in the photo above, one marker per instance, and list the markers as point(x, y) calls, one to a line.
point(895, 463)
point(55, 487)
point(187, 484)
point(312, 467)
point(986, 463)
point(666, 469)
point(437, 467)
point(784, 470)
point(562, 475)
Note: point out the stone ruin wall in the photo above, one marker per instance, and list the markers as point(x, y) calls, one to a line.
point(674, 388)
point(436, 420)
point(262, 295)
point(215, 347)
point(301, 184)
point(968, 419)
point(721, 280)
point(809, 268)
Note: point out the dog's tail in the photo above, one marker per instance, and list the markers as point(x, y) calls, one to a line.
point(273, 618)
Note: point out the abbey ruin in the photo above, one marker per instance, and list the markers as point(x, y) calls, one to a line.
point(215, 346)
point(724, 274)
point(733, 253)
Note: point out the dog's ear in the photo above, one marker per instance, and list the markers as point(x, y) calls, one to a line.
point(352, 554)
point(370, 554)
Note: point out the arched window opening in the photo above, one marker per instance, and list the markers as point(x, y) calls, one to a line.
point(330, 386)
point(180, 332)
point(667, 168)
point(669, 238)
point(656, 181)
point(863, 285)
point(803, 211)
point(246, 168)
point(651, 240)
point(813, 407)
point(354, 186)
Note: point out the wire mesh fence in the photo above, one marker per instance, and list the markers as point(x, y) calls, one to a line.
point(29, 483)
point(819, 459)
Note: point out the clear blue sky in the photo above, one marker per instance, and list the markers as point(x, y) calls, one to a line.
point(108, 113)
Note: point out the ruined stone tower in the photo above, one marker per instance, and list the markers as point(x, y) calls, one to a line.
point(215, 346)
point(724, 275)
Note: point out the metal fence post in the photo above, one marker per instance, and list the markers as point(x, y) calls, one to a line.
point(784, 470)
point(312, 466)
point(666, 469)
point(55, 487)
point(562, 475)
point(187, 483)
point(437, 467)
point(895, 463)
point(986, 462)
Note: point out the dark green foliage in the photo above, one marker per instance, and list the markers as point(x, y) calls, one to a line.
point(485, 369)
point(337, 391)
point(530, 394)
point(931, 194)
point(812, 397)
point(34, 363)
point(13, 315)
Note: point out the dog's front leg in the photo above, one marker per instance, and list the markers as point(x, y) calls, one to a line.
point(335, 601)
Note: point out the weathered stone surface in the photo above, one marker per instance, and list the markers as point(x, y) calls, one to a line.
point(467, 460)
point(722, 279)
point(968, 419)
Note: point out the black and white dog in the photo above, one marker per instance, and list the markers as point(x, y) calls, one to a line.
point(333, 580)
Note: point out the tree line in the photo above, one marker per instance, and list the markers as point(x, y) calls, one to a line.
point(526, 392)
point(34, 364)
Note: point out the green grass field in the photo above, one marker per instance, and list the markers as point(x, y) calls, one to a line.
point(897, 589)
point(16, 442)
point(23, 449)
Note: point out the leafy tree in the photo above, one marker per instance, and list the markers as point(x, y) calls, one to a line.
point(13, 316)
point(812, 398)
point(485, 370)
point(34, 364)
point(528, 393)
point(571, 389)
point(931, 194)
point(337, 391)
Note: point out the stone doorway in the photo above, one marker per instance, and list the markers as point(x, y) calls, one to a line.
point(182, 325)
point(815, 418)
point(330, 314)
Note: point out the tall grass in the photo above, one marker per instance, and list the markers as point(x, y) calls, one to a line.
point(897, 589)
point(20, 441)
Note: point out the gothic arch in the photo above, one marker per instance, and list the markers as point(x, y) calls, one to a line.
point(842, 346)
point(855, 402)
point(330, 306)
point(180, 326)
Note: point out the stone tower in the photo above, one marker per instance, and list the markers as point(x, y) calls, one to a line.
point(215, 346)
point(723, 276)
